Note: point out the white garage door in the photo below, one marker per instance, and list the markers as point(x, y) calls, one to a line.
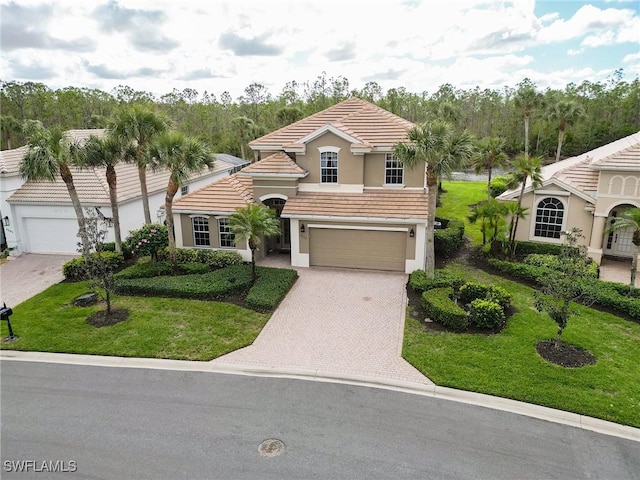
point(371, 249)
point(51, 235)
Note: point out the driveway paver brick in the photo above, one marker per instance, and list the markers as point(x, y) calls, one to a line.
point(344, 321)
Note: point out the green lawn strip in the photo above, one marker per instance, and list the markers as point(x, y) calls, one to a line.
point(455, 204)
point(507, 364)
point(156, 327)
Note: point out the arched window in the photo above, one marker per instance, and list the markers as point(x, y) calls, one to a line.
point(549, 217)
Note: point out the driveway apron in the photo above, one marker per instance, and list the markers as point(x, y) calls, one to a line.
point(336, 322)
point(27, 275)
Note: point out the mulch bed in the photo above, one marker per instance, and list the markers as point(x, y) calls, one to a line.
point(101, 319)
point(565, 355)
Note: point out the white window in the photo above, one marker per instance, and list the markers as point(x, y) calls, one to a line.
point(329, 167)
point(227, 238)
point(200, 231)
point(393, 171)
point(184, 190)
point(549, 218)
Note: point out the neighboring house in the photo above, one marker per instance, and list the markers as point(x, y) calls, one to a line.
point(588, 192)
point(342, 199)
point(39, 217)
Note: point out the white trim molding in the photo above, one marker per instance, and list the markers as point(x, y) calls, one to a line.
point(357, 227)
point(269, 196)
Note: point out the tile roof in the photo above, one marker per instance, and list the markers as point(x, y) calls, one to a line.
point(223, 196)
point(10, 159)
point(574, 170)
point(276, 164)
point(82, 135)
point(92, 186)
point(627, 159)
point(392, 204)
point(366, 122)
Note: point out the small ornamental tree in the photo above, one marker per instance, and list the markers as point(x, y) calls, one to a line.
point(98, 266)
point(148, 240)
point(565, 283)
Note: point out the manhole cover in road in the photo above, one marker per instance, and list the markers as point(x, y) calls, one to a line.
point(271, 448)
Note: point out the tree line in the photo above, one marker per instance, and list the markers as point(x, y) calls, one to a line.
point(550, 123)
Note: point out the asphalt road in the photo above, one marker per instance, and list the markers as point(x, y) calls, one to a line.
point(120, 423)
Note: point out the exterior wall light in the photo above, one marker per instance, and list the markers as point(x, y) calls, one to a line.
point(5, 220)
point(302, 228)
point(412, 233)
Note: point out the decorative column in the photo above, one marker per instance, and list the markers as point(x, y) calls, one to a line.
point(597, 237)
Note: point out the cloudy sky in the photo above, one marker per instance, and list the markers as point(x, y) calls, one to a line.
point(216, 45)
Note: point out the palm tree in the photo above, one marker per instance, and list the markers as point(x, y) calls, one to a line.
point(50, 154)
point(139, 126)
point(630, 218)
point(565, 113)
point(490, 214)
point(527, 98)
point(106, 152)
point(251, 223)
point(490, 155)
point(246, 128)
point(10, 128)
point(523, 168)
point(442, 149)
point(182, 156)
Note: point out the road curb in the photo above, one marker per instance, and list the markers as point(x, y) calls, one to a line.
point(425, 389)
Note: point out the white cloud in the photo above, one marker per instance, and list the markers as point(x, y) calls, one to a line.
point(632, 57)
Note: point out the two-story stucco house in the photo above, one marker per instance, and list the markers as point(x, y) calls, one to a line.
point(342, 199)
point(588, 192)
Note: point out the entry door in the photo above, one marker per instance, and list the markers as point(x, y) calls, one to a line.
point(619, 243)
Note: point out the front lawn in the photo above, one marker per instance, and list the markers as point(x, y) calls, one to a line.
point(507, 364)
point(455, 204)
point(156, 328)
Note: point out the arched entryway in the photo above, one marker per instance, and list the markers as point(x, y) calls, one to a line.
point(282, 242)
point(619, 243)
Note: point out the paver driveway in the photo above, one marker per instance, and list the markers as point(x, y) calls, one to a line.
point(336, 322)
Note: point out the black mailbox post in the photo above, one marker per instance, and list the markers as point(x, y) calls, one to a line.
point(5, 313)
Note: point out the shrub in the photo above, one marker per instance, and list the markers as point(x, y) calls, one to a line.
point(439, 306)
point(108, 247)
point(471, 291)
point(525, 248)
point(443, 278)
point(448, 240)
point(209, 286)
point(75, 271)
point(498, 186)
point(270, 288)
point(213, 258)
point(485, 313)
point(551, 261)
point(148, 240)
point(498, 295)
point(146, 269)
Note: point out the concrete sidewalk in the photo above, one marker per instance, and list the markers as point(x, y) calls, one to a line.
point(617, 270)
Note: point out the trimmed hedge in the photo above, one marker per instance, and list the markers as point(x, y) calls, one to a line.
point(270, 288)
point(498, 186)
point(74, 270)
point(447, 241)
point(486, 314)
point(209, 286)
point(439, 306)
point(499, 295)
point(443, 278)
point(526, 248)
point(156, 269)
point(551, 261)
point(471, 291)
point(601, 293)
point(213, 258)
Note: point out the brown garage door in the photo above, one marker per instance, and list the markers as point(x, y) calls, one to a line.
point(372, 249)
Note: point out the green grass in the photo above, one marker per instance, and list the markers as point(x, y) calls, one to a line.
point(455, 204)
point(156, 328)
point(507, 364)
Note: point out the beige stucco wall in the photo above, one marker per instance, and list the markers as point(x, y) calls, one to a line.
point(304, 237)
point(374, 172)
point(287, 187)
point(575, 216)
point(187, 232)
point(350, 166)
point(617, 188)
